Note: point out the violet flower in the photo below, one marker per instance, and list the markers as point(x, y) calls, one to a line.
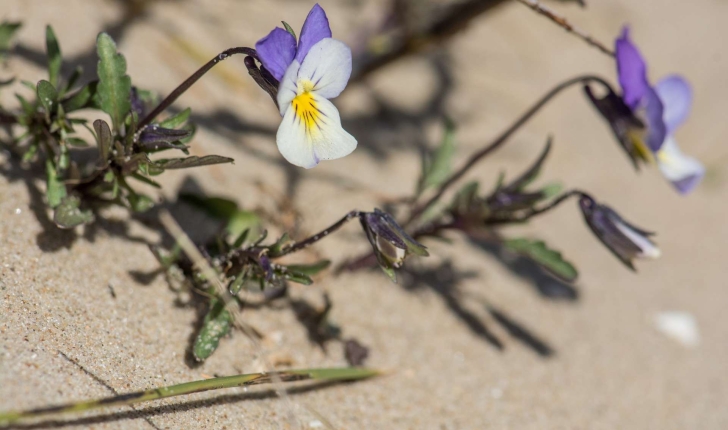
point(315, 69)
point(662, 108)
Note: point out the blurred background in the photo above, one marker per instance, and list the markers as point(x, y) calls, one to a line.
point(473, 339)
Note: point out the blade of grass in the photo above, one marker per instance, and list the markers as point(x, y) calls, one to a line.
point(326, 374)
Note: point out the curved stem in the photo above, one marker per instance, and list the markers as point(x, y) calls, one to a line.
point(532, 212)
point(184, 86)
point(318, 236)
point(500, 140)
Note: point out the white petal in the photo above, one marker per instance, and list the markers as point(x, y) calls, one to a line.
point(683, 171)
point(288, 87)
point(328, 67)
point(331, 141)
point(311, 131)
point(649, 249)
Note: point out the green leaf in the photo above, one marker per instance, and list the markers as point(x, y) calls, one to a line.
point(289, 29)
point(142, 178)
point(68, 214)
point(140, 202)
point(309, 269)
point(47, 95)
point(193, 161)
point(176, 120)
point(7, 31)
point(55, 188)
point(216, 324)
point(242, 221)
point(242, 237)
point(114, 86)
point(437, 168)
point(77, 72)
point(53, 51)
point(83, 98)
point(549, 259)
point(103, 140)
point(237, 283)
point(77, 142)
point(300, 278)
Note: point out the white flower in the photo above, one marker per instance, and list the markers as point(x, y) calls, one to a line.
point(311, 128)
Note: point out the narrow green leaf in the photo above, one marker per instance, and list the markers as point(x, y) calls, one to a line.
point(77, 72)
point(55, 188)
point(240, 240)
point(53, 52)
point(549, 259)
point(141, 178)
point(237, 283)
point(289, 29)
point(242, 221)
point(293, 276)
point(330, 374)
point(309, 269)
point(83, 98)
point(47, 95)
point(103, 140)
point(7, 31)
point(437, 169)
point(176, 120)
point(193, 161)
point(68, 214)
point(216, 325)
point(77, 142)
point(114, 88)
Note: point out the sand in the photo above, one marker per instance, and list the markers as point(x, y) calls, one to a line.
point(593, 357)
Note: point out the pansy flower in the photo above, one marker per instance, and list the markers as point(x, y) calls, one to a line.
point(645, 117)
point(310, 71)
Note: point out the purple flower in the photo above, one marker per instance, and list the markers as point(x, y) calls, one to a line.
point(662, 109)
point(315, 69)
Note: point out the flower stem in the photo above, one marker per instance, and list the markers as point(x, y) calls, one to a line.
point(320, 235)
point(565, 24)
point(184, 86)
point(333, 374)
point(500, 140)
point(530, 213)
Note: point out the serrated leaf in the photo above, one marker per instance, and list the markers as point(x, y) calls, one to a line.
point(103, 139)
point(176, 120)
point(68, 214)
point(289, 29)
point(437, 167)
point(547, 258)
point(7, 31)
point(216, 324)
point(309, 269)
point(53, 52)
point(55, 188)
point(193, 161)
point(114, 88)
point(47, 95)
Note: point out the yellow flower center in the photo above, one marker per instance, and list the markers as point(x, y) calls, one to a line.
point(305, 107)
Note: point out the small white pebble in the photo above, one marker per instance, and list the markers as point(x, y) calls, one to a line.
point(315, 424)
point(18, 211)
point(679, 326)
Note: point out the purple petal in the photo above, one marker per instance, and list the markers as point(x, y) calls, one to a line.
point(677, 98)
point(315, 28)
point(686, 185)
point(276, 51)
point(653, 110)
point(631, 70)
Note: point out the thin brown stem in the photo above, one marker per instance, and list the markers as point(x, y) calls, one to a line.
point(320, 235)
point(562, 22)
point(500, 140)
point(184, 86)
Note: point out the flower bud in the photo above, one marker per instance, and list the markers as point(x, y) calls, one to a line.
point(626, 241)
point(390, 242)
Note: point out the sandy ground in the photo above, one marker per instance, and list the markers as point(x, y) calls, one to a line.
point(594, 358)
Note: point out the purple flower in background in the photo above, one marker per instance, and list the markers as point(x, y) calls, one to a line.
point(662, 108)
point(310, 72)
